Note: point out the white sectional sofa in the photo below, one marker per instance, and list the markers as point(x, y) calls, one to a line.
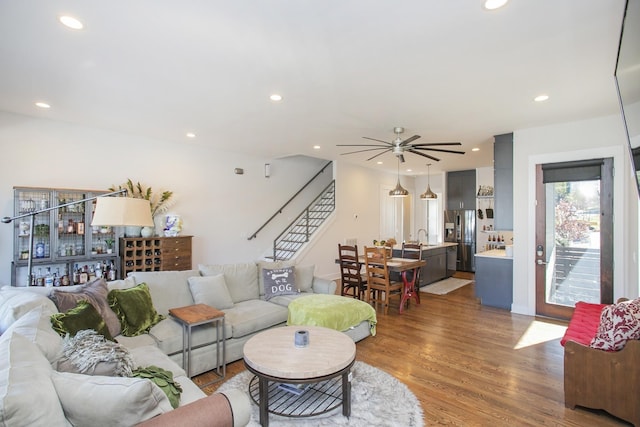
point(236, 289)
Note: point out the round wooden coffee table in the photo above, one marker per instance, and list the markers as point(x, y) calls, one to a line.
point(300, 382)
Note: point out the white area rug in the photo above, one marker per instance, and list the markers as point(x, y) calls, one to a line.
point(377, 399)
point(445, 286)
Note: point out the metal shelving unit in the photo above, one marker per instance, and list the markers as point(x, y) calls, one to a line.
point(63, 238)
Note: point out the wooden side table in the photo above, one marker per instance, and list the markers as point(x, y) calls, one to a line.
point(195, 315)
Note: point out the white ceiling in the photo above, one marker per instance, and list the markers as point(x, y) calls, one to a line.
point(446, 70)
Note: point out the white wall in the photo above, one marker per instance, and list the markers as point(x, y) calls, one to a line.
point(595, 138)
point(219, 208)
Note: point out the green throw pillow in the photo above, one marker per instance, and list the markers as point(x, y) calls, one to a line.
point(82, 316)
point(135, 309)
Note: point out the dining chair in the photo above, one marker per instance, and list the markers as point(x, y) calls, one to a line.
point(412, 251)
point(352, 283)
point(380, 288)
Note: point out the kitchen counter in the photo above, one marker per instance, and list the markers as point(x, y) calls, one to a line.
point(493, 253)
point(439, 245)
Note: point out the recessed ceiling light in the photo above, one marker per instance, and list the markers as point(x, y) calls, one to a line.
point(316, 147)
point(475, 149)
point(541, 98)
point(191, 135)
point(493, 4)
point(42, 105)
point(379, 162)
point(409, 170)
point(275, 97)
point(71, 22)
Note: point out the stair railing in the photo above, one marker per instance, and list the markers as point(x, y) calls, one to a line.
point(307, 219)
point(279, 211)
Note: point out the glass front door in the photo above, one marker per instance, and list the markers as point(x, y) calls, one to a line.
point(571, 262)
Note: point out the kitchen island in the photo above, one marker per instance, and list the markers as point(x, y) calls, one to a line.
point(494, 278)
point(440, 259)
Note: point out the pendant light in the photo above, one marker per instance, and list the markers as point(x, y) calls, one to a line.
point(398, 191)
point(428, 195)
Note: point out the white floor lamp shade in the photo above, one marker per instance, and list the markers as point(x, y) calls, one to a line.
point(122, 211)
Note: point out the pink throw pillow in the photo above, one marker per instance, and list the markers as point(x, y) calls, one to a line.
point(618, 324)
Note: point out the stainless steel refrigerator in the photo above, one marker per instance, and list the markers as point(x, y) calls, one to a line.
point(460, 228)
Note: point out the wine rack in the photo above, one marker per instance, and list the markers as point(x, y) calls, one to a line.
point(155, 254)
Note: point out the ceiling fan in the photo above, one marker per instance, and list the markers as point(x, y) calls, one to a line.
point(399, 146)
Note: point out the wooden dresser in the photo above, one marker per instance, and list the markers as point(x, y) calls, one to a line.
point(154, 254)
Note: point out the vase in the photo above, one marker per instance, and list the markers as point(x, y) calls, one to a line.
point(147, 231)
point(132, 231)
point(173, 225)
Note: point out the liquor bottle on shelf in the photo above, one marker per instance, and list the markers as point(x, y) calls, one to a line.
point(84, 275)
point(71, 228)
point(39, 252)
point(48, 278)
point(64, 281)
point(80, 226)
point(60, 224)
point(76, 274)
point(39, 278)
point(57, 280)
point(112, 272)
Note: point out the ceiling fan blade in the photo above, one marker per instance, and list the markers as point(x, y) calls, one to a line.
point(379, 140)
point(379, 154)
point(425, 144)
point(438, 149)
point(362, 145)
point(366, 149)
point(408, 140)
point(423, 155)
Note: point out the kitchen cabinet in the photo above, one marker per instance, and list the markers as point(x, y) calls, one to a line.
point(436, 263)
point(436, 268)
point(155, 254)
point(494, 279)
point(452, 260)
point(63, 240)
point(461, 190)
point(503, 181)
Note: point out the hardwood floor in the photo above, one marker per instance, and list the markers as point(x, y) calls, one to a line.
point(471, 365)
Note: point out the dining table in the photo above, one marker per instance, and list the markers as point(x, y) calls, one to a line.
point(403, 266)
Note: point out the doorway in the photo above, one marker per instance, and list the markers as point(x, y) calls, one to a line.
point(574, 235)
point(395, 216)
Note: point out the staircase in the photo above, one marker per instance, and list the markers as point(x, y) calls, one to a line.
point(299, 232)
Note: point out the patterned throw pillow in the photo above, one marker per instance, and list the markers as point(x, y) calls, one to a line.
point(618, 324)
point(279, 281)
